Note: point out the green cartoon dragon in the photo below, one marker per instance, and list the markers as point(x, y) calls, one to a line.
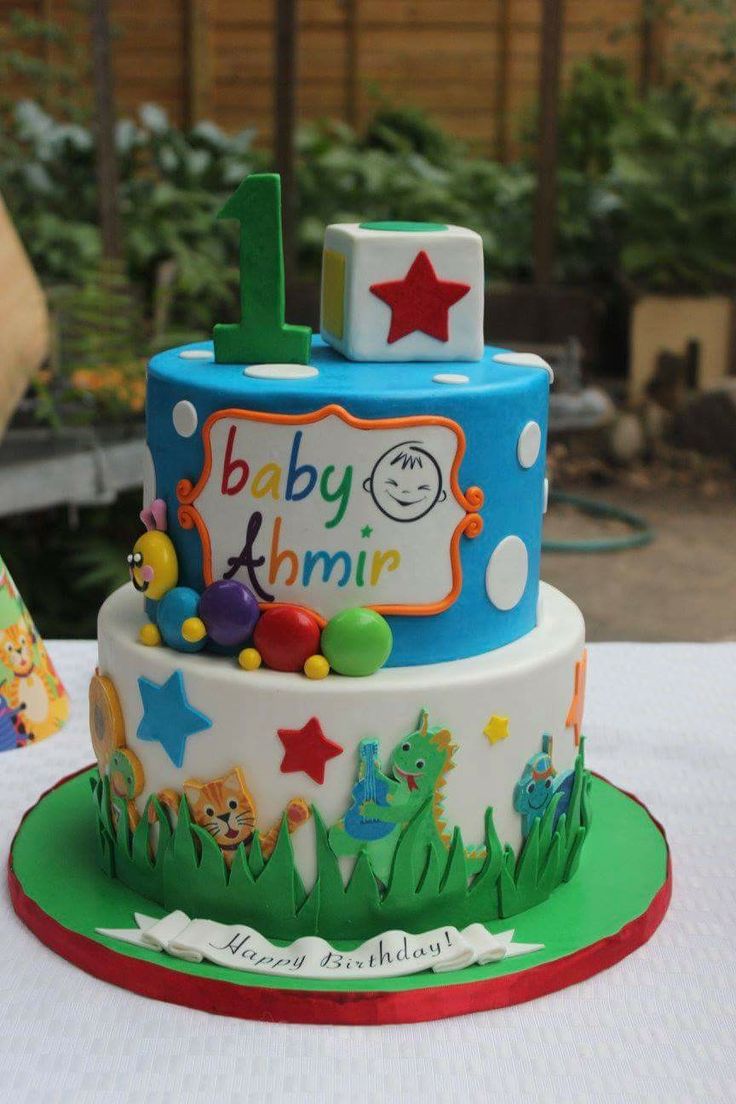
point(383, 804)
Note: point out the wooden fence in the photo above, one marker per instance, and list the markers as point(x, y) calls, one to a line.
point(472, 64)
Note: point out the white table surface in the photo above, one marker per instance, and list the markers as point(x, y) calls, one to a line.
point(660, 1026)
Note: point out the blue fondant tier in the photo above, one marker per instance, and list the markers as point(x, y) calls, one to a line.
point(440, 431)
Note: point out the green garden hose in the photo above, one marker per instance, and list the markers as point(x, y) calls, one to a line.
point(642, 533)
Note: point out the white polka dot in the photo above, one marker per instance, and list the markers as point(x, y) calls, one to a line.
point(525, 360)
point(527, 447)
point(450, 377)
point(545, 496)
point(184, 417)
point(149, 477)
point(197, 354)
point(507, 573)
point(280, 371)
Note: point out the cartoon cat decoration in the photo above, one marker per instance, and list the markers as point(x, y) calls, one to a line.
point(224, 808)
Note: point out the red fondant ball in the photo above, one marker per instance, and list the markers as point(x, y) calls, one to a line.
point(286, 637)
point(229, 611)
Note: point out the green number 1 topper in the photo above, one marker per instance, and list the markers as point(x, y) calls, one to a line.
point(261, 336)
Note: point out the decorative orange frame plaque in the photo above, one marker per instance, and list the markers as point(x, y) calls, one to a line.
point(470, 500)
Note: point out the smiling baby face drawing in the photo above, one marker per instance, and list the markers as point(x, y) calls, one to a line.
point(406, 482)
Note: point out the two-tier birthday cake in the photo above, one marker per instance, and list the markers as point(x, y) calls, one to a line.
point(335, 704)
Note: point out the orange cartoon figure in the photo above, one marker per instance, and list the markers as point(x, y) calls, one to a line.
point(33, 687)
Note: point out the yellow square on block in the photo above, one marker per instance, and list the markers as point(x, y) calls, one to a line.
point(333, 292)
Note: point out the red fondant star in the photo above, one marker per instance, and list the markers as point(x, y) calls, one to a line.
point(307, 749)
point(574, 717)
point(421, 301)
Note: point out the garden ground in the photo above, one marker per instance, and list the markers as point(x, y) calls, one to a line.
point(680, 587)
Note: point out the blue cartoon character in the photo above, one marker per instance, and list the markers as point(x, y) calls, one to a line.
point(538, 785)
point(406, 482)
point(11, 731)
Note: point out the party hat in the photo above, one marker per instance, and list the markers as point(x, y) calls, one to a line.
point(33, 701)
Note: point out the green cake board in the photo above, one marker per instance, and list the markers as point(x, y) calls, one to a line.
point(613, 904)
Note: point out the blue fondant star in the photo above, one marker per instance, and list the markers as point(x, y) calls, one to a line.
point(168, 718)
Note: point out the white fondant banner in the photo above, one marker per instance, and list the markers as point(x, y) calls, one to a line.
point(329, 511)
point(392, 954)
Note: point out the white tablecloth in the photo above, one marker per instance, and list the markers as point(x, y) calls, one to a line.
point(660, 1026)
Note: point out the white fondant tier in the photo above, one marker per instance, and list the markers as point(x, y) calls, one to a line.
point(529, 682)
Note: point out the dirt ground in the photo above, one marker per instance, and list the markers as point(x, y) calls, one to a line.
point(680, 587)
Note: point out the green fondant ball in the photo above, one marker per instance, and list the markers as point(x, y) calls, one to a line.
point(357, 642)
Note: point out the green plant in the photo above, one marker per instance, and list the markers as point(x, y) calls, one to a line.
point(702, 47)
point(674, 175)
point(646, 198)
point(599, 96)
point(63, 572)
point(404, 168)
point(49, 58)
point(184, 868)
point(408, 130)
point(647, 195)
point(173, 183)
point(172, 186)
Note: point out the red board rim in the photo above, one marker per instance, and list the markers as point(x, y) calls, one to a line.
point(323, 1007)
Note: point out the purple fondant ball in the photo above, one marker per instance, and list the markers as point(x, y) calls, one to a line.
point(230, 612)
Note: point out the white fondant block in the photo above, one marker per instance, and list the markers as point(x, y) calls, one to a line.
point(363, 326)
point(529, 681)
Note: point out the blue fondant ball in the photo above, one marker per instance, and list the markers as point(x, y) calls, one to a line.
point(173, 610)
point(230, 612)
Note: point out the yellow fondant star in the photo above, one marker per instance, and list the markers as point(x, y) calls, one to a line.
point(496, 729)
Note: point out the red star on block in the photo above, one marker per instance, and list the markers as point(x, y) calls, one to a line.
point(307, 749)
point(574, 717)
point(421, 301)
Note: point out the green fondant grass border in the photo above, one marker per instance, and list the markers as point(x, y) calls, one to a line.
point(622, 869)
point(186, 870)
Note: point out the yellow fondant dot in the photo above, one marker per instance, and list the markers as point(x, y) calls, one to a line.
point(149, 635)
point(193, 630)
point(250, 659)
point(316, 667)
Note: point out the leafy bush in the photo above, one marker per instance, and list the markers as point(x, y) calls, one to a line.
point(173, 183)
point(382, 175)
point(647, 186)
point(674, 174)
point(647, 192)
point(171, 187)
